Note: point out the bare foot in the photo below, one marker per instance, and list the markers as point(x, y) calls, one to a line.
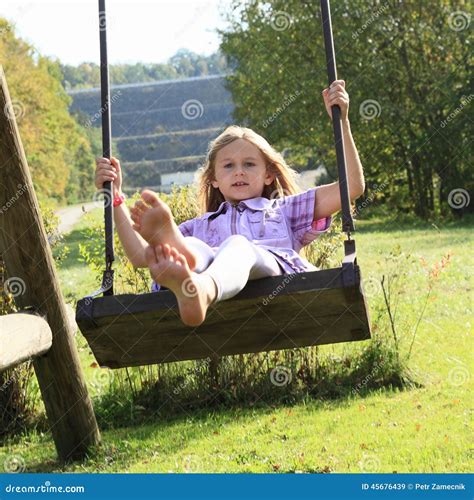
point(194, 292)
point(154, 221)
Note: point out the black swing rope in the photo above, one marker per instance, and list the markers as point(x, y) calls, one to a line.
point(347, 220)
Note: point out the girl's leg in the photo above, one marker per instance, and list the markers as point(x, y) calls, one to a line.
point(236, 261)
point(203, 252)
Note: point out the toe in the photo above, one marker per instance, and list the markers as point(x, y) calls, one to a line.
point(139, 205)
point(174, 253)
point(150, 197)
point(158, 251)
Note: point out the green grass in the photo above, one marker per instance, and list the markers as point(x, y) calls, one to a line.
point(422, 429)
point(77, 280)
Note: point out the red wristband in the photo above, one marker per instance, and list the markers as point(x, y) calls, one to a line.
point(118, 200)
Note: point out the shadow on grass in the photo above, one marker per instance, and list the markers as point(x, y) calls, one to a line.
point(389, 223)
point(142, 426)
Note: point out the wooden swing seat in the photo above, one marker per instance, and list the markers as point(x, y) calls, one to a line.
point(281, 312)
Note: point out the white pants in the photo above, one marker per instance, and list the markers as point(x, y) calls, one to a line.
point(236, 261)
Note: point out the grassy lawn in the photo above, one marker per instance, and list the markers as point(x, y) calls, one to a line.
point(423, 429)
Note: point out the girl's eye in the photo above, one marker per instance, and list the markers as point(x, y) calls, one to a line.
point(246, 163)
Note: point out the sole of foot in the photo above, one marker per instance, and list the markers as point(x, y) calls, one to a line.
point(154, 221)
point(194, 292)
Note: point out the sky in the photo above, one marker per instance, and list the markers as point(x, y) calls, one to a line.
point(147, 31)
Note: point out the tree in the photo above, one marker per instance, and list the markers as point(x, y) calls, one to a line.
point(53, 142)
point(183, 64)
point(406, 69)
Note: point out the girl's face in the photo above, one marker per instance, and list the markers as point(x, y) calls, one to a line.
point(240, 171)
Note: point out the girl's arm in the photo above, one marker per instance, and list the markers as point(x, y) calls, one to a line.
point(328, 199)
point(133, 244)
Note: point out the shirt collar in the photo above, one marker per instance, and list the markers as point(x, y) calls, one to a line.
point(260, 203)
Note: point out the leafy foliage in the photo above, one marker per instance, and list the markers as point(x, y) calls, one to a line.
point(57, 148)
point(183, 64)
point(406, 67)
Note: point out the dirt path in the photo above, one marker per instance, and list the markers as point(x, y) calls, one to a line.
point(70, 216)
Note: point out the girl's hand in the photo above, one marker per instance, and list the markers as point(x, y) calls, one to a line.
point(336, 94)
point(108, 170)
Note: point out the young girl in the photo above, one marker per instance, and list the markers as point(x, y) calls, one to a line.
point(254, 223)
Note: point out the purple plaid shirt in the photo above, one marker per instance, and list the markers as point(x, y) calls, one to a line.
point(282, 226)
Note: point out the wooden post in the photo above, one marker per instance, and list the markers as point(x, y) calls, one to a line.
point(33, 282)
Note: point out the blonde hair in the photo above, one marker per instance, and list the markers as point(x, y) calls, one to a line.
point(284, 183)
